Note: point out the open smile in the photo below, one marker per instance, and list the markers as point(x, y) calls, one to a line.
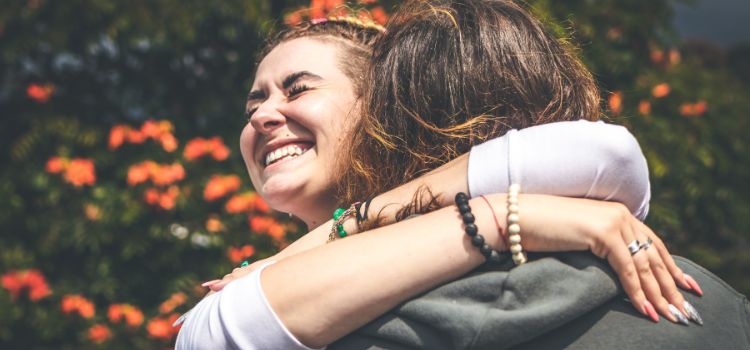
point(286, 152)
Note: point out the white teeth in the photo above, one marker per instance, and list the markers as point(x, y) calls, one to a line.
point(292, 151)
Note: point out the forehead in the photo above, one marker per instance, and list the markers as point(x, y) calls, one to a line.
point(317, 56)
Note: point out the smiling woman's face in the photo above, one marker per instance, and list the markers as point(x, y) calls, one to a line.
point(298, 107)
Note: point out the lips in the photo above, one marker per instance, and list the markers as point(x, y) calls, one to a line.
point(285, 152)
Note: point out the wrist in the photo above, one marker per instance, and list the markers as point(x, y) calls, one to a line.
point(491, 218)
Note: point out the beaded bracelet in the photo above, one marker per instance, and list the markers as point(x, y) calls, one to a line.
point(514, 227)
point(339, 216)
point(477, 240)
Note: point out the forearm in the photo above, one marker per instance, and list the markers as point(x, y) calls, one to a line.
point(356, 279)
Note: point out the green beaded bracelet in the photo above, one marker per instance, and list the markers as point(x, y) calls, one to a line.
point(245, 263)
point(339, 215)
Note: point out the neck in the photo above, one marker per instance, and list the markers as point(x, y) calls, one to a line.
point(316, 214)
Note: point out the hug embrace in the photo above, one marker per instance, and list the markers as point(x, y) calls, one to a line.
point(460, 193)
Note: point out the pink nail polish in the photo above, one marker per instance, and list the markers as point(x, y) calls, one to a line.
point(649, 310)
point(209, 283)
point(693, 284)
point(218, 286)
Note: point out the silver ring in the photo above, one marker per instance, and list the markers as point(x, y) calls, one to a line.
point(646, 244)
point(634, 246)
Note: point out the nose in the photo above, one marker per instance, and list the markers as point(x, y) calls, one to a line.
point(267, 118)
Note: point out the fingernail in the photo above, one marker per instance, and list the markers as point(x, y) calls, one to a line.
point(218, 286)
point(693, 313)
point(693, 284)
point(678, 315)
point(209, 283)
point(649, 310)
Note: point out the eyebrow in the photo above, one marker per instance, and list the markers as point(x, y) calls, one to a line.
point(292, 78)
point(288, 81)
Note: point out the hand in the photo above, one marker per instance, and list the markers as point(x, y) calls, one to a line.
point(649, 276)
point(217, 285)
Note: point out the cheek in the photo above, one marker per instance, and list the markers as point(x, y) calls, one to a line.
point(248, 139)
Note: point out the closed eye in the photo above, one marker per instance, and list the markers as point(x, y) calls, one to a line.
point(297, 89)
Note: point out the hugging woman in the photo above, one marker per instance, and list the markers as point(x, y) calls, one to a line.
point(310, 92)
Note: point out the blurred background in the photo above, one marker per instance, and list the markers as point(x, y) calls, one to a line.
point(122, 187)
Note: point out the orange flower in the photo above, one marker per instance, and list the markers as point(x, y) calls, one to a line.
point(138, 173)
point(151, 129)
point(99, 333)
point(159, 174)
point(644, 107)
point(219, 151)
point(657, 56)
point(174, 301)
point(378, 15)
point(199, 147)
point(151, 196)
point(56, 165)
point(261, 205)
point(80, 172)
point(246, 202)
point(117, 136)
point(135, 136)
point(92, 212)
point(160, 328)
point(615, 102)
point(660, 90)
point(168, 198)
point(218, 186)
point(268, 226)
point(40, 93)
point(133, 316)
point(693, 109)
point(76, 303)
point(168, 142)
point(293, 18)
point(277, 232)
point(674, 57)
point(167, 174)
point(240, 253)
point(213, 224)
point(165, 200)
point(32, 280)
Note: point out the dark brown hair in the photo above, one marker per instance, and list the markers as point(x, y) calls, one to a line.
point(452, 74)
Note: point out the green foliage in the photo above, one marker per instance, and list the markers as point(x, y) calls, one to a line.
point(190, 62)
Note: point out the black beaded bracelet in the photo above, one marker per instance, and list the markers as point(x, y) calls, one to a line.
point(477, 240)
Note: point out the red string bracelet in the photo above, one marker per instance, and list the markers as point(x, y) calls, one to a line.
point(497, 223)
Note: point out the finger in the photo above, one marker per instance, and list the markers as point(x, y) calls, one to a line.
point(620, 260)
point(209, 283)
point(669, 262)
point(650, 286)
point(219, 286)
point(646, 276)
point(666, 285)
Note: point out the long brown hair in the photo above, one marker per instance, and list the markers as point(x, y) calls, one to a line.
point(452, 74)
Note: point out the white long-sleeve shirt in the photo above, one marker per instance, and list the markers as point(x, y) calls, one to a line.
point(577, 159)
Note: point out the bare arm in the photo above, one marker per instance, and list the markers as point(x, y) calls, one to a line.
point(575, 159)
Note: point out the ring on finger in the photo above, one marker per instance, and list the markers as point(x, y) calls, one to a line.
point(634, 246)
point(645, 245)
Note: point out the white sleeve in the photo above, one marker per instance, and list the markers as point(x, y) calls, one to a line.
point(238, 317)
point(575, 159)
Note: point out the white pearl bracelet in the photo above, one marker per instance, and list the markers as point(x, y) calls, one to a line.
point(514, 228)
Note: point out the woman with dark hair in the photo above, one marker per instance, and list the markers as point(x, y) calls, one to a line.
point(289, 151)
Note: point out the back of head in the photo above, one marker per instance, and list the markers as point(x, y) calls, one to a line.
point(450, 74)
